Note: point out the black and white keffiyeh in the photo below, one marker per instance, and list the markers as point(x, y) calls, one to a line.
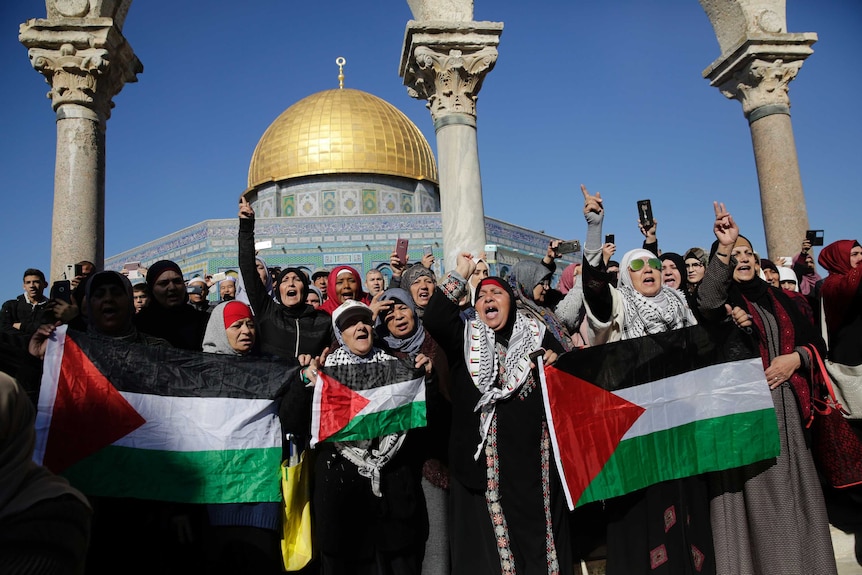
point(498, 371)
point(368, 458)
point(645, 315)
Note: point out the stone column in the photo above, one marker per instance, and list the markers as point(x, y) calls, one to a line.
point(86, 60)
point(445, 63)
point(756, 70)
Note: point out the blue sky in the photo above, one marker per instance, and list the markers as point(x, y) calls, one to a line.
point(608, 94)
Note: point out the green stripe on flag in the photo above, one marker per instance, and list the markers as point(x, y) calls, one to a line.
point(383, 423)
point(672, 450)
point(228, 476)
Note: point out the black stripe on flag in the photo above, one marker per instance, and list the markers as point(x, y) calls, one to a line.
point(169, 371)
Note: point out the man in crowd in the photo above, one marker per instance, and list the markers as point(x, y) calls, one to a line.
point(140, 296)
point(374, 282)
point(319, 278)
point(198, 291)
point(227, 289)
point(21, 317)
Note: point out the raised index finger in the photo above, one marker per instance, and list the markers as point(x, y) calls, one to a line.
point(585, 192)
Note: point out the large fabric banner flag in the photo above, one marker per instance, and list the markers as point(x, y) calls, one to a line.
point(629, 414)
point(127, 420)
point(389, 397)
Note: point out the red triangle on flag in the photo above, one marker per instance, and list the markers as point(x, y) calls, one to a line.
point(89, 413)
point(589, 423)
point(338, 405)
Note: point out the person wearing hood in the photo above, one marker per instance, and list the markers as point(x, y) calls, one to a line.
point(402, 334)
point(314, 297)
point(638, 307)
point(44, 522)
point(287, 326)
point(168, 315)
point(695, 261)
point(507, 503)
point(245, 536)
point(770, 516)
point(367, 503)
point(344, 283)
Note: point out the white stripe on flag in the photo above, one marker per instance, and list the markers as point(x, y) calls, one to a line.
point(706, 393)
point(202, 423)
point(388, 397)
point(48, 390)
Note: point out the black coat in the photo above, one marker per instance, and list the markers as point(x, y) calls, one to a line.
point(283, 331)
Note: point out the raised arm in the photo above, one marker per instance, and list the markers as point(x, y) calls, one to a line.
point(257, 296)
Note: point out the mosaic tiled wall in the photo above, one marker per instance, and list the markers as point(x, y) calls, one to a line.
point(333, 196)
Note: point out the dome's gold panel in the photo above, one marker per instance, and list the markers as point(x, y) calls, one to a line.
point(341, 131)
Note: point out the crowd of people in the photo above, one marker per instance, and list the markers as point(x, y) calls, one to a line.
point(476, 490)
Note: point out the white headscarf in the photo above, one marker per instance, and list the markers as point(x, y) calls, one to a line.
point(665, 311)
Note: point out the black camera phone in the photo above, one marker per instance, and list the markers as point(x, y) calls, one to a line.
point(62, 290)
point(815, 237)
point(645, 213)
point(609, 239)
point(569, 247)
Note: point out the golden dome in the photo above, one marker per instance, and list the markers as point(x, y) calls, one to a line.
point(341, 131)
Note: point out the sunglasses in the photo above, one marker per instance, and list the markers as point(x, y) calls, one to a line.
point(637, 265)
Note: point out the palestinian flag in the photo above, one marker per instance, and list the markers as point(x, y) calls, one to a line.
point(127, 420)
point(629, 414)
point(392, 399)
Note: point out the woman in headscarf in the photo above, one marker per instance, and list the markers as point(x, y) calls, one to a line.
point(508, 508)
point(641, 538)
point(245, 536)
point(841, 294)
point(401, 333)
point(44, 522)
point(287, 326)
point(673, 271)
point(367, 503)
point(344, 284)
point(420, 281)
point(571, 309)
point(767, 517)
point(842, 300)
point(168, 315)
point(530, 282)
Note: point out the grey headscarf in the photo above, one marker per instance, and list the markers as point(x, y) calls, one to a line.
point(215, 337)
point(413, 273)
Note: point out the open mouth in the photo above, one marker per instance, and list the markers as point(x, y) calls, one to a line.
point(292, 292)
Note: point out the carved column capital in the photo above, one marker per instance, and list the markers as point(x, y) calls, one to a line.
point(87, 64)
point(450, 81)
point(758, 72)
point(446, 63)
point(761, 83)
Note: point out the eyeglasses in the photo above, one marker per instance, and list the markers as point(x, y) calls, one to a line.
point(637, 265)
point(693, 265)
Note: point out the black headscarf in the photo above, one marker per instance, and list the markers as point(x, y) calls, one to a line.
point(302, 277)
point(680, 266)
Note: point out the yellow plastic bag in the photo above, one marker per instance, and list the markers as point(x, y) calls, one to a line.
point(297, 547)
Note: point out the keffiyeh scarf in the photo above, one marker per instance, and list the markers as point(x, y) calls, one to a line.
point(498, 371)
